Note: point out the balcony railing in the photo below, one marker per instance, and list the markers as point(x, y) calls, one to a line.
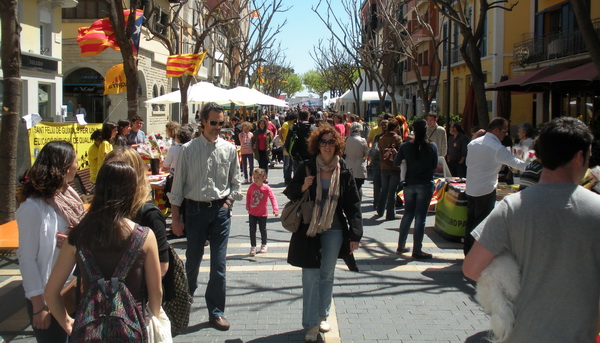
point(551, 46)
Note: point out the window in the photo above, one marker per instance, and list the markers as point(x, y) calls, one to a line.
point(45, 101)
point(483, 46)
point(155, 107)
point(87, 9)
point(45, 19)
point(446, 43)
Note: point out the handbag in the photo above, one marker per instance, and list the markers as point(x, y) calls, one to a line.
point(297, 212)
point(159, 327)
point(176, 303)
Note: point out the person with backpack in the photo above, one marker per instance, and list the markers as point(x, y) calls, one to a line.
point(287, 159)
point(118, 262)
point(297, 139)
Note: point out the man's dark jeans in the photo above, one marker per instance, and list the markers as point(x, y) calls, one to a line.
point(203, 223)
point(478, 208)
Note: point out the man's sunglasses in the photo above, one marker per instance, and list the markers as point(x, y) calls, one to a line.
point(216, 123)
point(325, 143)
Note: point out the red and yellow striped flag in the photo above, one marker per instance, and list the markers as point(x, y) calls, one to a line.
point(189, 64)
point(100, 35)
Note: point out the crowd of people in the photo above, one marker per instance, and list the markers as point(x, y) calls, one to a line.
point(325, 155)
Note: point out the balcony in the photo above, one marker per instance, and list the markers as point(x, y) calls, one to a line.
point(551, 47)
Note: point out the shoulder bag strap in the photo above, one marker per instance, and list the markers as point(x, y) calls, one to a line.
point(138, 238)
point(89, 263)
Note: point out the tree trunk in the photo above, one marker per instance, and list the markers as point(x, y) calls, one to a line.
point(123, 36)
point(472, 58)
point(590, 36)
point(183, 90)
point(11, 67)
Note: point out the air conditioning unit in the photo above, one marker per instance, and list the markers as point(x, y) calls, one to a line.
point(64, 3)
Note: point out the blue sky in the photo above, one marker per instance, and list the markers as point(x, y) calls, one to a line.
point(303, 31)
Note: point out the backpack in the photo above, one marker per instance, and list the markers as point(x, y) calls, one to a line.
point(291, 141)
point(108, 312)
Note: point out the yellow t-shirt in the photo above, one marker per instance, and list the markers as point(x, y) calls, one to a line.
point(103, 150)
point(93, 160)
point(374, 132)
point(284, 130)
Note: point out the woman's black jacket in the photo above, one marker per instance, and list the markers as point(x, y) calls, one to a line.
point(304, 251)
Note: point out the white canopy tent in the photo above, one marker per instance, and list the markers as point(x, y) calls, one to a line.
point(373, 96)
point(200, 92)
point(245, 96)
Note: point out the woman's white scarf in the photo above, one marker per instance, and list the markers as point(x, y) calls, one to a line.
point(322, 217)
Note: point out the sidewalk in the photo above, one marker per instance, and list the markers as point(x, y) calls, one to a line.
point(392, 299)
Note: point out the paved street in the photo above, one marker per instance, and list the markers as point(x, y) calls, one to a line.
point(392, 299)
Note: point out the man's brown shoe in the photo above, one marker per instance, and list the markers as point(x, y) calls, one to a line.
point(221, 323)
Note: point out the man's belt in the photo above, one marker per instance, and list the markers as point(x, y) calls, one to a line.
point(217, 203)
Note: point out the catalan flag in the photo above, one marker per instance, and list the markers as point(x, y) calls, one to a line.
point(189, 64)
point(100, 35)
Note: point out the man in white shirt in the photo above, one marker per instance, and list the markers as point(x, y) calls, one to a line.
point(485, 157)
point(206, 178)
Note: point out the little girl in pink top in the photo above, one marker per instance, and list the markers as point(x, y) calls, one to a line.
point(256, 204)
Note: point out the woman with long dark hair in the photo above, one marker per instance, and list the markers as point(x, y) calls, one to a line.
point(262, 142)
point(123, 129)
point(335, 227)
point(107, 233)
point(457, 151)
point(109, 132)
point(421, 161)
point(51, 207)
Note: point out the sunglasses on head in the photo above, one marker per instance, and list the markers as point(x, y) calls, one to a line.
point(324, 142)
point(216, 123)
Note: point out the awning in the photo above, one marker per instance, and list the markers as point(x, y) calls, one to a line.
point(584, 73)
point(526, 82)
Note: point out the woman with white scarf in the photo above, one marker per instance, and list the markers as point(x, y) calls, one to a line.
point(335, 227)
point(50, 209)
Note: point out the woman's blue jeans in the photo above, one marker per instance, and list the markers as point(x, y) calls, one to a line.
point(416, 203)
point(317, 283)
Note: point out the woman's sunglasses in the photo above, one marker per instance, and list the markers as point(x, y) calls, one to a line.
point(325, 143)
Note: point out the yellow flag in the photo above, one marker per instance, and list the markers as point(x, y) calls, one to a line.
point(115, 81)
point(260, 75)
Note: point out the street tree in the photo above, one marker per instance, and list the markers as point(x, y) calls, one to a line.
point(291, 84)
point(315, 82)
point(589, 34)
point(358, 35)
point(123, 36)
point(174, 33)
point(245, 43)
point(11, 107)
point(472, 37)
point(339, 70)
point(407, 43)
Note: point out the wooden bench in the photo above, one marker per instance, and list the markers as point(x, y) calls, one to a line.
point(9, 242)
point(82, 185)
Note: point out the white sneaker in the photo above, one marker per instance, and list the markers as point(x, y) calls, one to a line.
point(253, 251)
point(324, 325)
point(312, 334)
point(263, 249)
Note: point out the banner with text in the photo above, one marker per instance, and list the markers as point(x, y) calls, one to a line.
point(78, 135)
